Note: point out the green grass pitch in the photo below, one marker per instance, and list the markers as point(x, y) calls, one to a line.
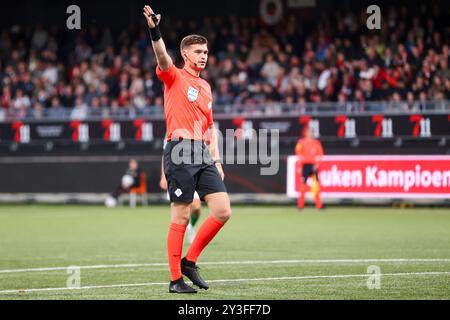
point(264, 252)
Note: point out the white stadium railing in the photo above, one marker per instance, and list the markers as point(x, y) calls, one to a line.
point(266, 109)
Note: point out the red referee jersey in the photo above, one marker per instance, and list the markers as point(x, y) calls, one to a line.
point(310, 150)
point(187, 104)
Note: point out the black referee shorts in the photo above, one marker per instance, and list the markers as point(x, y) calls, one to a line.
point(188, 167)
point(308, 171)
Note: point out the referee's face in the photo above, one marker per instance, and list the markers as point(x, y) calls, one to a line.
point(196, 55)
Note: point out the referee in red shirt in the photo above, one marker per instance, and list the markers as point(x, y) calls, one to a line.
point(310, 152)
point(189, 163)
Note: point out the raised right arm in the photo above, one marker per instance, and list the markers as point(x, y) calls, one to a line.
point(162, 57)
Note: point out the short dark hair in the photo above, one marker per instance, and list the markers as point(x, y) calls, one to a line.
point(192, 39)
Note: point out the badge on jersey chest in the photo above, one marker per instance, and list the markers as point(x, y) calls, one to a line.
point(192, 94)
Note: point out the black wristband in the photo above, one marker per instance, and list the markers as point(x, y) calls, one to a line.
point(155, 35)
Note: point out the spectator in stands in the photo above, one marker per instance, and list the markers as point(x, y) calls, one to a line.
point(270, 69)
point(38, 111)
point(338, 61)
point(56, 111)
point(21, 100)
point(80, 111)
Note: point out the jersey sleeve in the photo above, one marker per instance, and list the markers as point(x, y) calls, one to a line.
point(319, 154)
point(209, 118)
point(298, 148)
point(168, 76)
point(320, 148)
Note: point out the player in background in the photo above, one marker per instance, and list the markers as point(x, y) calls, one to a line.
point(189, 116)
point(196, 204)
point(310, 152)
point(129, 180)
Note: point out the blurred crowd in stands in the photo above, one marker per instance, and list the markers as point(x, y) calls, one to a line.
point(334, 58)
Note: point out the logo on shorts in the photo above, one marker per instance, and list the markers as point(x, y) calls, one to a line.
point(192, 94)
point(178, 192)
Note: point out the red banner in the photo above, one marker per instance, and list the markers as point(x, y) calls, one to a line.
point(377, 176)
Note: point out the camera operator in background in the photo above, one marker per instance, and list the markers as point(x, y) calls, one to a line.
point(129, 180)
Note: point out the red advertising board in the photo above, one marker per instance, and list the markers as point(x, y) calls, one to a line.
point(396, 176)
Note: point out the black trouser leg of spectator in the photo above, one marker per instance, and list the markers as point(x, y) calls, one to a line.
point(118, 192)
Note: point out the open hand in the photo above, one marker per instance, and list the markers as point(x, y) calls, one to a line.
point(163, 184)
point(148, 12)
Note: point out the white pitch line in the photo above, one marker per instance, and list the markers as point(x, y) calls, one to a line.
point(161, 264)
point(145, 284)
